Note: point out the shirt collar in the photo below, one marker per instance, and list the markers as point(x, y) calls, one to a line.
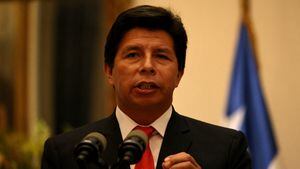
point(127, 124)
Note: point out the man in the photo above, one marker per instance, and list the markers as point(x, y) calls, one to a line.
point(144, 62)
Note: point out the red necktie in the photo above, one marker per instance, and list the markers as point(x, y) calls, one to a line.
point(147, 161)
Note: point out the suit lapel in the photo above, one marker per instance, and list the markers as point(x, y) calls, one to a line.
point(177, 138)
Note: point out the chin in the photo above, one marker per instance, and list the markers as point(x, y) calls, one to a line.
point(153, 104)
point(147, 104)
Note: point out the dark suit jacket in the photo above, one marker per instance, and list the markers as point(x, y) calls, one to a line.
point(213, 147)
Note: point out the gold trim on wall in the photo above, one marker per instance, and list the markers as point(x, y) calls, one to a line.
point(16, 64)
point(20, 67)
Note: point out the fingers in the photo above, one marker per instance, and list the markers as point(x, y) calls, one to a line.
point(181, 160)
point(182, 165)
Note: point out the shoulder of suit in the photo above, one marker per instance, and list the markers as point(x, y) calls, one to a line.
point(75, 135)
point(203, 128)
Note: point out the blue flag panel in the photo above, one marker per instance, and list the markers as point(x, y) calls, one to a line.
point(245, 92)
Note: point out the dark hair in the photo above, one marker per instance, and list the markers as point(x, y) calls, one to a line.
point(149, 17)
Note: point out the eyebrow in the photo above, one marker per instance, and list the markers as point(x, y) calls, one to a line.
point(131, 47)
point(163, 50)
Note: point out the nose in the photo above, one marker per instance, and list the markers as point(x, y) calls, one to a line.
point(147, 66)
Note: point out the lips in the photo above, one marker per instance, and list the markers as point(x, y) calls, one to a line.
point(146, 87)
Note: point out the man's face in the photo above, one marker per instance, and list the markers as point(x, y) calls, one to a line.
point(145, 71)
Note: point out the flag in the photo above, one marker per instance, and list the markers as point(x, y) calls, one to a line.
point(246, 109)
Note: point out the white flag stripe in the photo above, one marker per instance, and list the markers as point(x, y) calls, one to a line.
point(275, 163)
point(235, 121)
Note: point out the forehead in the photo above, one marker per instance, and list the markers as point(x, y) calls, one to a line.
point(147, 37)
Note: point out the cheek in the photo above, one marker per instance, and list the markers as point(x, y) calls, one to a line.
point(173, 75)
point(170, 81)
point(121, 76)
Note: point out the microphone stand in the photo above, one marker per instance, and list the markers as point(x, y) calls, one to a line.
point(121, 164)
point(123, 161)
point(100, 164)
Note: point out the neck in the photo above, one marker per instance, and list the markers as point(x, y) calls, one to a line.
point(144, 115)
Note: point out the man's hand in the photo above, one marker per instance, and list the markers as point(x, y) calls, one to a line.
point(180, 161)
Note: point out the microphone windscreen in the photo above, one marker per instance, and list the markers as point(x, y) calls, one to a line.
point(138, 133)
point(99, 138)
point(133, 147)
point(89, 150)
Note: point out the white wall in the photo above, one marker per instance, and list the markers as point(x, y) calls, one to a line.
point(212, 27)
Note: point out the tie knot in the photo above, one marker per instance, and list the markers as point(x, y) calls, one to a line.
point(147, 130)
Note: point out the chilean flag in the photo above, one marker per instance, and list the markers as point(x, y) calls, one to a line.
point(246, 109)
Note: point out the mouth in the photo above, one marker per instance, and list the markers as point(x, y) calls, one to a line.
point(146, 87)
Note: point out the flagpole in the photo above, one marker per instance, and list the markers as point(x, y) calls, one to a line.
point(246, 19)
point(245, 10)
point(245, 7)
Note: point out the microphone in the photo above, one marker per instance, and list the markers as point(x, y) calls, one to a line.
point(90, 149)
point(133, 147)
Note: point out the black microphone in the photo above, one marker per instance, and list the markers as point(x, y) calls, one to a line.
point(89, 150)
point(133, 147)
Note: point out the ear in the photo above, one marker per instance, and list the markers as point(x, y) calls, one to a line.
point(108, 72)
point(179, 76)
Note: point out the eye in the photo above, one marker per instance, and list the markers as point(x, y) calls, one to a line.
point(132, 55)
point(162, 56)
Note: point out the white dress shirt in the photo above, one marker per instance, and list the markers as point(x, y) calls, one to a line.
point(126, 125)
